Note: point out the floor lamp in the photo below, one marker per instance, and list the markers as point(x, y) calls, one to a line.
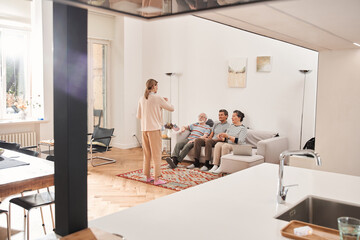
point(170, 75)
point(303, 71)
point(174, 95)
point(169, 117)
point(168, 113)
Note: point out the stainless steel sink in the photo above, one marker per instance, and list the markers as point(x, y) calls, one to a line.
point(320, 211)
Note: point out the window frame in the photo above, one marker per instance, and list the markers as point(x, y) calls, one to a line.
point(107, 43)
point(27, 73)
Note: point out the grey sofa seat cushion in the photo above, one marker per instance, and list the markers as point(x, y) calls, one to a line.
point(254, 136)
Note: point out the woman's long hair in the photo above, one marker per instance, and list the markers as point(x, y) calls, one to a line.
point(149, 85)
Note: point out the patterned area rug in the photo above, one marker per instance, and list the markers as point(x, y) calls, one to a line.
point(177, 179)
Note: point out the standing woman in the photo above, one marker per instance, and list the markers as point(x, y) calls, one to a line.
point(150, 114)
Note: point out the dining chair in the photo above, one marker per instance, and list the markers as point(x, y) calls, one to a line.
point(9, 146)
point(50, 158)
point(100, 142)
point(28, 152)
point(7, 222)
point(98, 113)
point(29, 202)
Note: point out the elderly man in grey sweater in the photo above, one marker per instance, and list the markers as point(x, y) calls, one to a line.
point(235, 134)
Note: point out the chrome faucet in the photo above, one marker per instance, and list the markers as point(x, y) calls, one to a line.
point(282, 190)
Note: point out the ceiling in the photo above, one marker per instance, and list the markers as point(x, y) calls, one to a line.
point(315, 24)
point(149, 9)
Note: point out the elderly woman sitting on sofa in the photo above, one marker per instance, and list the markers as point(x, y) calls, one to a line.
point(235, 134)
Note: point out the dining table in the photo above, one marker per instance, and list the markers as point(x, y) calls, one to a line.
point(35, 173)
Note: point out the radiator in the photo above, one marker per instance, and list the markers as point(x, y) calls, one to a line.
point(25, 139)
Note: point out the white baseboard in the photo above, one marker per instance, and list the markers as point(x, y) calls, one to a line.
point(125, 146)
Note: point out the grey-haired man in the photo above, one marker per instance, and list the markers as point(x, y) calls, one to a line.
point(197, 130)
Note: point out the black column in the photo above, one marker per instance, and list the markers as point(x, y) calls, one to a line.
point(70, 118)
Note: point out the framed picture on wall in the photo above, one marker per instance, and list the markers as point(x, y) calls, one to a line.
point(237, 73)
point(263, 64)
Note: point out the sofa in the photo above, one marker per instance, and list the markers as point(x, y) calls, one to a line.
point(266, 147)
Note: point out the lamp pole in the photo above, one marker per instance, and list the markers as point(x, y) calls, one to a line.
point(169, 113)
point(303, 71)
point(170, 75)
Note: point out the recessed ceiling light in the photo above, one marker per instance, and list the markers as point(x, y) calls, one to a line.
point(356, 44)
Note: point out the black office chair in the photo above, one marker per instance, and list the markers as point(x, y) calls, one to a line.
point(28, 152)
point(30, 202)
point(9, 146)
point(100, 142)
point(98, 113)
point(7, 222)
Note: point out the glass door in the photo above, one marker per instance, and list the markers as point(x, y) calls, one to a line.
point(97, 83)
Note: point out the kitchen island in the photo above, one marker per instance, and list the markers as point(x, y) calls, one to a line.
point(238, 206)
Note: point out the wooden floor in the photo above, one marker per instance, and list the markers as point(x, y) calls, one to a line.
point(107, 193)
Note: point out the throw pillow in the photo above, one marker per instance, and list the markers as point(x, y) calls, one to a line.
point(244, 150)
point(254, 136)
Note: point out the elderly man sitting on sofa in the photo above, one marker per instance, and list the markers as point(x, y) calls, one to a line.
point(182, 148)
point(219, 127)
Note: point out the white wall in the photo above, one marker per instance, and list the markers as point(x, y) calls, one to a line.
point(15, 13)
point(199, 51)
point(101, 26)
point(338, 111)
point(133, 86)
point(36, 60)
point(117, 82)
point(125, 77)
point(47, 129)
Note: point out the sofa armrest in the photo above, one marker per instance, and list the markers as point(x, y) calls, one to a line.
point(271, 148)
point(178, 136)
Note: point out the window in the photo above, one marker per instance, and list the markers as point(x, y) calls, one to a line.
point(98, 81)
point(15, 86)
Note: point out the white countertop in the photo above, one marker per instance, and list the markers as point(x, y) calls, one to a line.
point(239, 206)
